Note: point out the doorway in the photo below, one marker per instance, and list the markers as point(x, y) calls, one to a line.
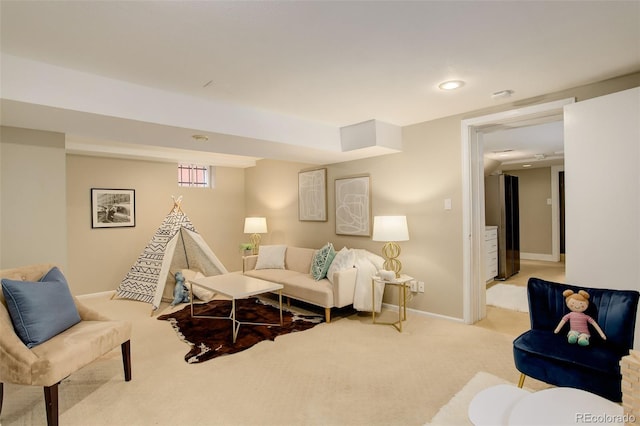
point(473, 196)
point(561, 189)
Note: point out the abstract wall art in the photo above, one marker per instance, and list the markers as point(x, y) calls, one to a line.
point(353, 206)
point(312, 195)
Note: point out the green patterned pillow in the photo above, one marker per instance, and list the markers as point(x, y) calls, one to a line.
point(321, 261)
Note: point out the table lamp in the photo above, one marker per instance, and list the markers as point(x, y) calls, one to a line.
point(255, 226)
point(391, 229)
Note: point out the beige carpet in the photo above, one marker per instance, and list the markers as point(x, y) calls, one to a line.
point(551, 271)
point(349, 372)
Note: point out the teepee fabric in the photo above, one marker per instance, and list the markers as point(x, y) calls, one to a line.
point(176, 245)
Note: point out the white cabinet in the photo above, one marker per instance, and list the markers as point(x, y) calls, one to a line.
point(491, 252)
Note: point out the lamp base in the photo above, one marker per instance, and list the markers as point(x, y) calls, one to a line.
point(390, 252)
point(255, 240)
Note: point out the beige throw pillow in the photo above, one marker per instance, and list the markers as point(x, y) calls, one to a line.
point(271, 257)
point(199, 292)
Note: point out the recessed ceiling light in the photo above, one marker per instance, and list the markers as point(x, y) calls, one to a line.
point(526, 165)
point(200, 138)
point(451, 84)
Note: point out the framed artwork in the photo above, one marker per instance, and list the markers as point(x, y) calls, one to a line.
point(312, 195)
point(113, 208)
point(353, 206)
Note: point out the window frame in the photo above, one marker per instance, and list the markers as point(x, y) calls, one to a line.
point(194, 180)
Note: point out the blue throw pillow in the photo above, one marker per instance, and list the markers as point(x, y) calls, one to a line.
point(40, 310)
point(321, 261)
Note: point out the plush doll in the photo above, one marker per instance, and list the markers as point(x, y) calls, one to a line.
point(180, 292)
point(578, 328)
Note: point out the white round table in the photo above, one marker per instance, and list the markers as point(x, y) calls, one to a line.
point(493, 405)
point(510, 405)
point(565, 406)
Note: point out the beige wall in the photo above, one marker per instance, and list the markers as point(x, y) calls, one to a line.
point(415, 182)
point(32, 198)
point(272, 191)
point(535, 214)
point(99, 258)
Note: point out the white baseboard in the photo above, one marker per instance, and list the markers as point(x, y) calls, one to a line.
point(393, 307)
point(537, 256)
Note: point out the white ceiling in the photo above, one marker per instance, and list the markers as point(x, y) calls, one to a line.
point(277, 79)
point(538, 145)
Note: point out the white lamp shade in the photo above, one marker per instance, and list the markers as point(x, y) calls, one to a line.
point(390, 228)
point(255, 225)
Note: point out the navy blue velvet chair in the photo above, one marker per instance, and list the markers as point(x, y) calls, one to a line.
point(543, 355)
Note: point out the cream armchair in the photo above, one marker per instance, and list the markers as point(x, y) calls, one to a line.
point(48, 363)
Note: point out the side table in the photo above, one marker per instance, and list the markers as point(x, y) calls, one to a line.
point(401, 283)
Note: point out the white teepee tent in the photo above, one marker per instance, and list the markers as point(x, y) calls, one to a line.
point(176, 245)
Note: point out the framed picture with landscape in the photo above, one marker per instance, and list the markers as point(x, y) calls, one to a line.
point(353, 206)
point(113, 208)
point(312, 195)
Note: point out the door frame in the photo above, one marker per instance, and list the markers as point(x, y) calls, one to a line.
point(555, 212)
point(473, 220)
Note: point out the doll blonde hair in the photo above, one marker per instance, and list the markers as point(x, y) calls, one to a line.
point(581, 295)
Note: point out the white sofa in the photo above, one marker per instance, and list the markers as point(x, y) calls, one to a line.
point(299, 284)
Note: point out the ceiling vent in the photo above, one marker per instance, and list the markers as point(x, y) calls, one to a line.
point(502, 94)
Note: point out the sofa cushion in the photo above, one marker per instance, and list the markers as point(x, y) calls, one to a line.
point(40, 310)
point(299, 259)
point(76, 347)
point(304, 287)
point(345, 259)
point(321, 261)
point(271, 257)
point(273, 275)
point(298, 285)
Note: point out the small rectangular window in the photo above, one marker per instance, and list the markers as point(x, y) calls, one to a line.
point(195, 176)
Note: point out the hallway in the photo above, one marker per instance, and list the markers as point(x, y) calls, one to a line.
point(512, 322)
point(550, 271)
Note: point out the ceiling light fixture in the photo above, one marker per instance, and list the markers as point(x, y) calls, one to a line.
point(451, 84)
point(526, 165)
point(200, 138)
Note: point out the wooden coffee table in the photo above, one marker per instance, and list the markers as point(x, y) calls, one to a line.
point(236, 286)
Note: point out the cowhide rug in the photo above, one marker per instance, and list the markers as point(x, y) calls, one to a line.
point(210, 338)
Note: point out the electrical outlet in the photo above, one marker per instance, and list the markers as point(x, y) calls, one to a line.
point(421, 286)
point(414, 286)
